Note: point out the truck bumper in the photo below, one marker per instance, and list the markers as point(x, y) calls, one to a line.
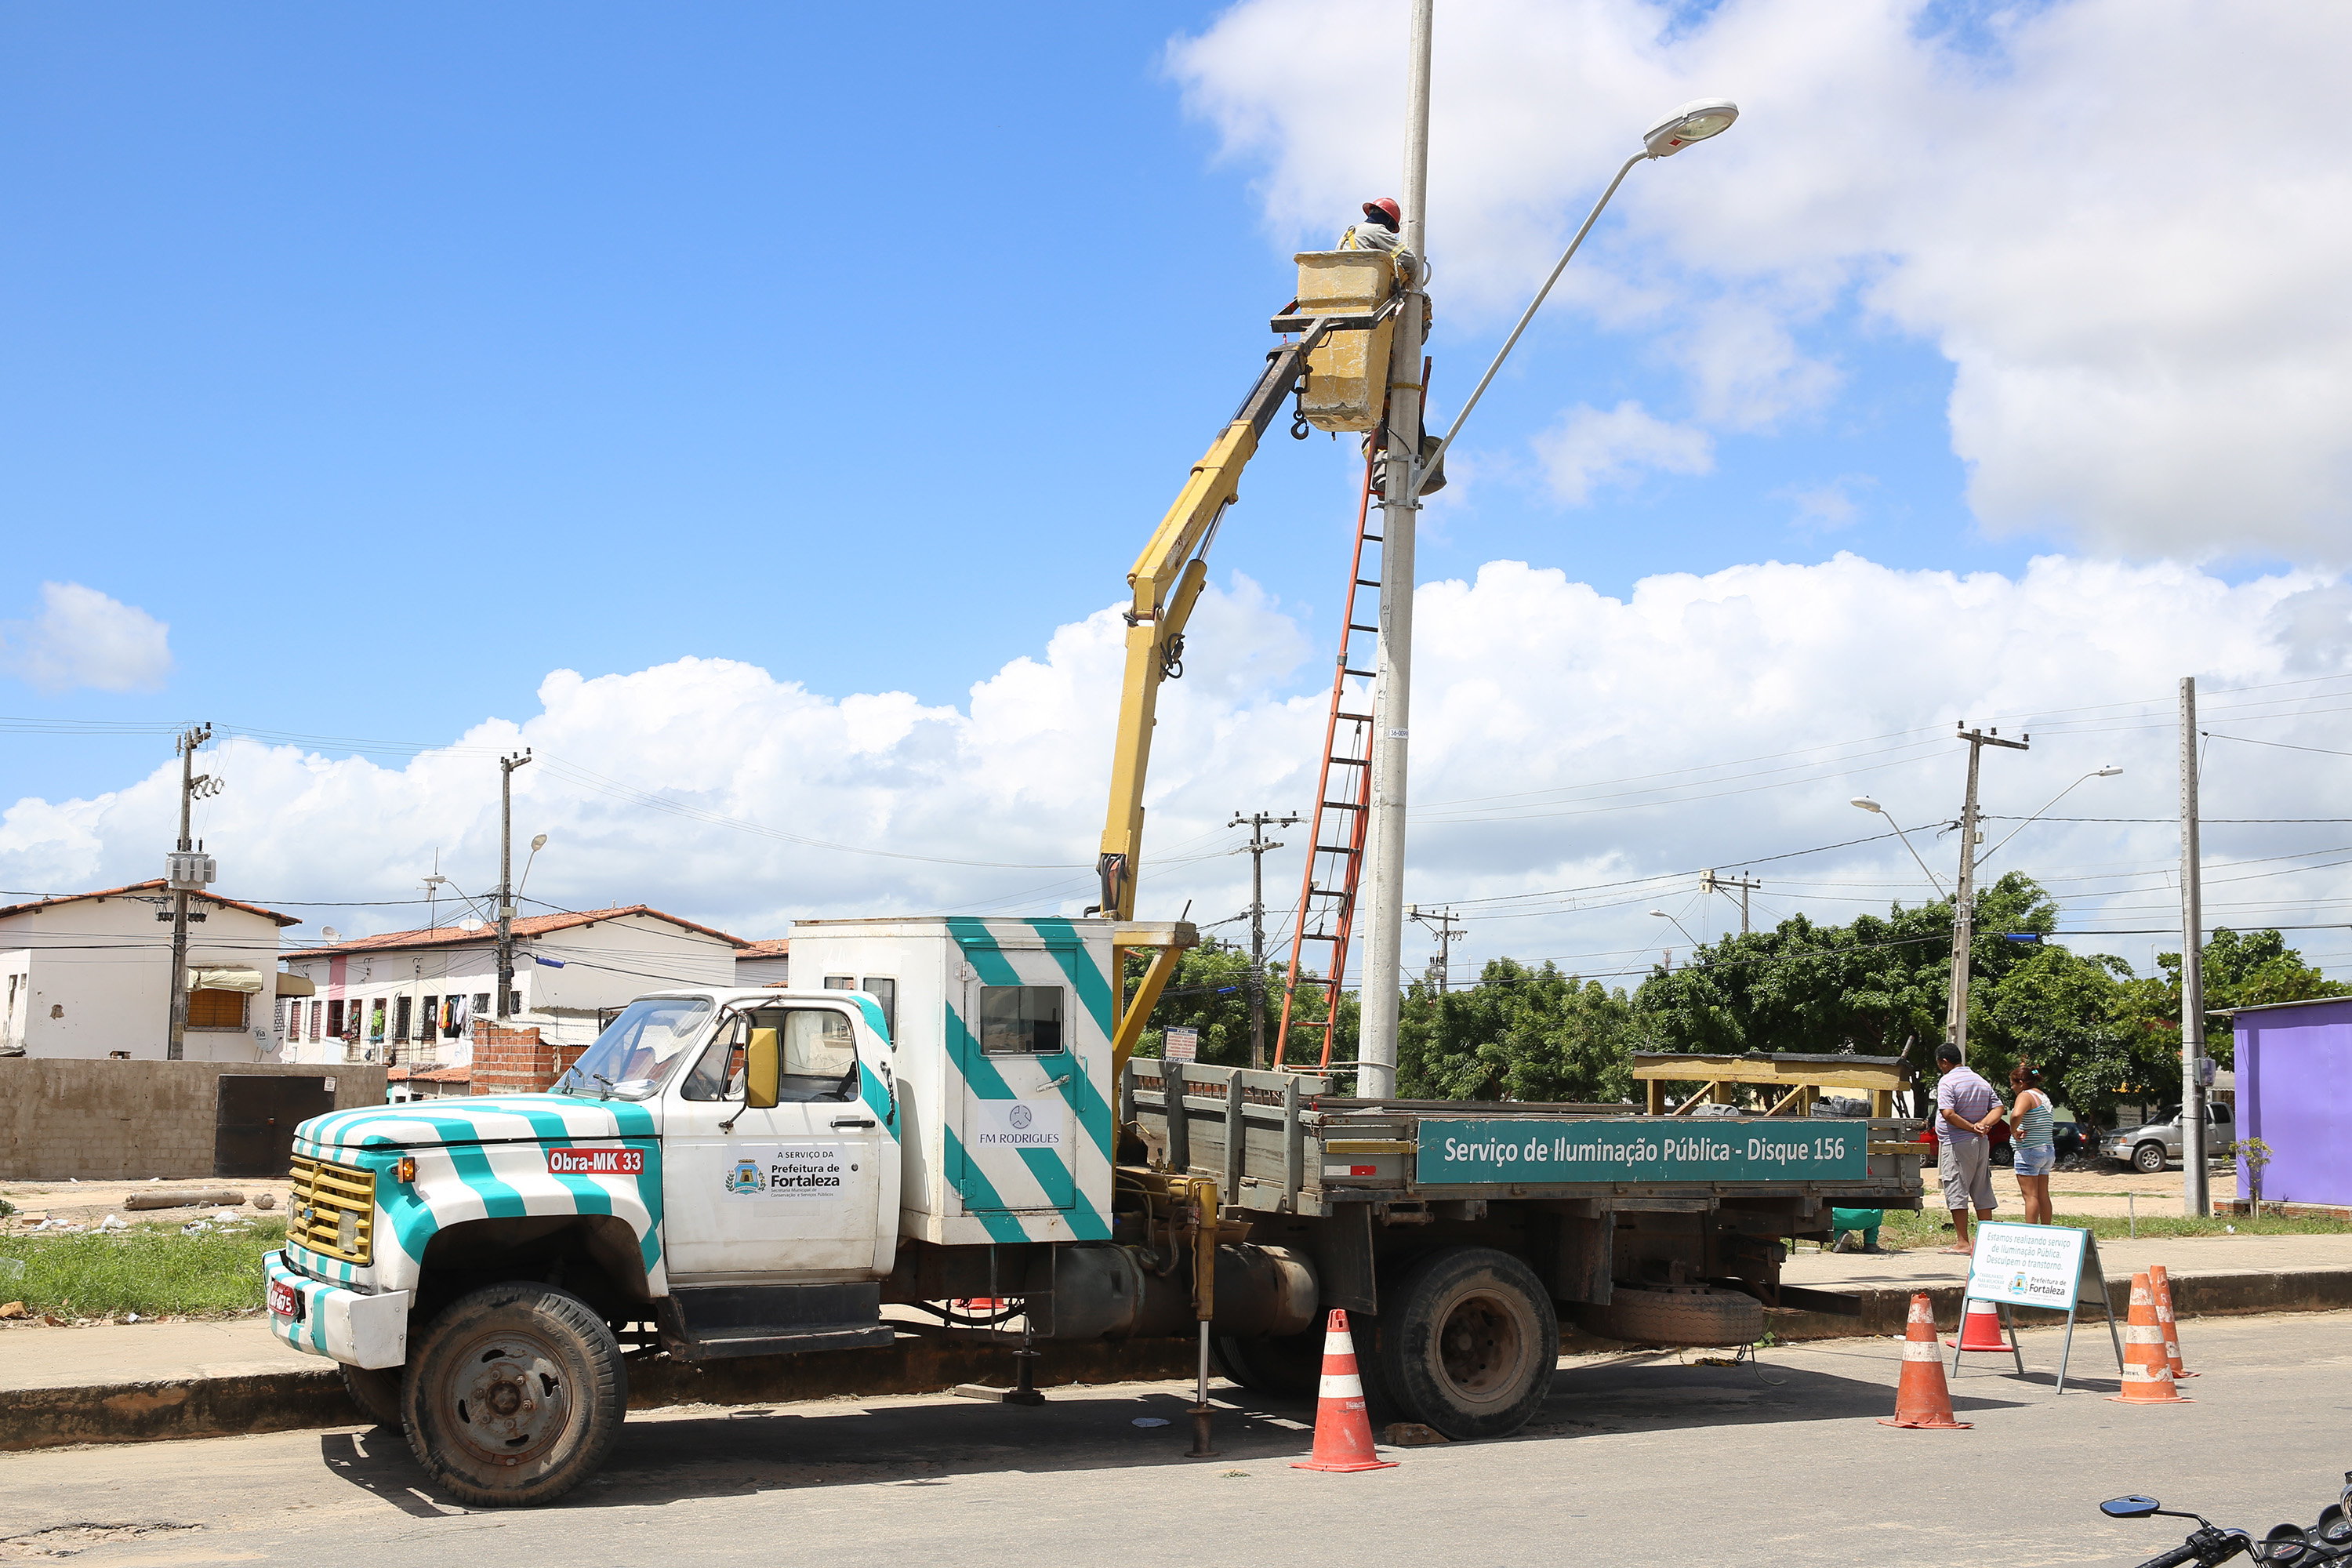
point(341, 1324)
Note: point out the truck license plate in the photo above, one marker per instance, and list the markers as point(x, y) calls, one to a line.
point(285, 1301)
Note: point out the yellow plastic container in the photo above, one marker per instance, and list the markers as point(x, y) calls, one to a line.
point(1347, 378)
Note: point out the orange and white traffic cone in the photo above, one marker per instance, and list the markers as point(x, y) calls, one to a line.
point(2147, 1372)
point(1343, 1430)
point(1922, 1398)
point(1980, 1328)
point(2160, 1284)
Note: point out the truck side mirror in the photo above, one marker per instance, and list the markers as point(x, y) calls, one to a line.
point(763, 1071)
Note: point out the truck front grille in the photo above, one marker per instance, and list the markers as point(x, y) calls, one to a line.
point(332, 1210)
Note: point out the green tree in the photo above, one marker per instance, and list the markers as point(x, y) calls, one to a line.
point(1208, 992)
point(1530, 1034)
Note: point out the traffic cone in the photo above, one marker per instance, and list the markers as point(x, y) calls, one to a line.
point(1343, 1432)
point(2147, 1372)
point(1980, 1328)
point(2162, 1284)
point(1922, 1398)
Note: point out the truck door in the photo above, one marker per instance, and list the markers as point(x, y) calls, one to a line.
point(792, 1191)
point(1018, 1142)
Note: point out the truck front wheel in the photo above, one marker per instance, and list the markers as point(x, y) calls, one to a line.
point(2148, 1158)
point(1468, 1342)
point(515, 1396)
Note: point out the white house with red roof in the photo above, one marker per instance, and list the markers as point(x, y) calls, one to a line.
point(411, 998)
point(89, 975)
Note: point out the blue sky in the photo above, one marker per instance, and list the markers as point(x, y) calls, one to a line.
point(396, 360)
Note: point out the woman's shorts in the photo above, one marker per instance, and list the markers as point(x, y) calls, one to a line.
point(2037, 1162)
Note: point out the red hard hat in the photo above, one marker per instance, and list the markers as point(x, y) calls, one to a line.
point(1386, 205)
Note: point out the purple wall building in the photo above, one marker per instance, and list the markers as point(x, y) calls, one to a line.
point(2294, 1091)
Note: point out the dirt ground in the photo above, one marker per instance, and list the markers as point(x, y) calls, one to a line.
point(88, 1203)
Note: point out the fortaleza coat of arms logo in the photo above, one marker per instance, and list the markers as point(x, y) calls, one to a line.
point(744, 1177)
point(1020, 1116)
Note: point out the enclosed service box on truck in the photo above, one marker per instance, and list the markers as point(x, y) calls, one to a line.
point(1004, 1030)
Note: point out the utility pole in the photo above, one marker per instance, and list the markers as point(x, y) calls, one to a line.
point(506, 766)
point(1441, 924)
point(1710, 883)
point(1376, 1049)
point(1257, 822)
point(2196, 1196)
point(1964, 903)
point(185, 871)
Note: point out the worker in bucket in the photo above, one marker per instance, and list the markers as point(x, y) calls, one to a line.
point(1382, 230)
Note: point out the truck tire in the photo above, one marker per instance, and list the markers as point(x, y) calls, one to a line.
point(515, 1395)
point(1696, 1316)
point(1289, 1366)
point(2148, 1158)
point(375, 1390)
point(1467, 1343)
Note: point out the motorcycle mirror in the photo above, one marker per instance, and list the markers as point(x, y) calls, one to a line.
point(2130, 1507)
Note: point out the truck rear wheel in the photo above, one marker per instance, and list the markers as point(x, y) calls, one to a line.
point(1697, 1316)
point(1468, 1342)
point(515, 1396)
point(375, 1390)
point(1289, 1366)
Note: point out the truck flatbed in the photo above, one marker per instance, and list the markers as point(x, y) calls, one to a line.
point(1281, 1143)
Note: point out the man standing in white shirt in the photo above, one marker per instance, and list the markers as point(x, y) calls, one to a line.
point(1966, 1109)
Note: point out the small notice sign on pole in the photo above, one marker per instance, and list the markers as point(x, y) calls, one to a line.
point(2051, 1265)
point(1182, 1045)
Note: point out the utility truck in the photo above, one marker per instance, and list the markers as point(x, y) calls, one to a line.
point(735, 1172)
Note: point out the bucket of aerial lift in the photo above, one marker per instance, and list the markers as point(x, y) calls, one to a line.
point(1347, 378)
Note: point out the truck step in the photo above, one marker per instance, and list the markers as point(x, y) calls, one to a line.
point(715, 1322)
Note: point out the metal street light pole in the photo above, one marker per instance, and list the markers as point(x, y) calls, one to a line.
point(506, 766)
point(1866, 804)
point(1376, 1049)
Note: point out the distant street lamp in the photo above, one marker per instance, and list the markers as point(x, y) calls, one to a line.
point(1866, 804)
point(2108, 772)
point(1678, 925)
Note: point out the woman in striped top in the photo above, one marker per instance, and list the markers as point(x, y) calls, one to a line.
point(2037, 1155)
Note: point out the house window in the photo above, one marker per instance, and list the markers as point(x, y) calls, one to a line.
point(318, 1016)
point(375, 1020)
point(514, 1003)
point(335, 1019)
point(210, 1009)
point(281, 1017)
point(400, 1017)
point(430, 1023)
point(1021, 1020)
point(481, 1005)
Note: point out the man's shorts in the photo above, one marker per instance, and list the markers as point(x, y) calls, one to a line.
point(1965, 1166)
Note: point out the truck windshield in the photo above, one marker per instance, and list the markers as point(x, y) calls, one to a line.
point(638, 1049)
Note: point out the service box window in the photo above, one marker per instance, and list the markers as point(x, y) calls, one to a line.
point(885, 992)
point(1021, 1020)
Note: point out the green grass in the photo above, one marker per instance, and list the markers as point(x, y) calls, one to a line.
point(152, 1270)
point(1932, 1227)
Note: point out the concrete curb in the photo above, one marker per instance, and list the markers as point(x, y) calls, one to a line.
point(280, 1401)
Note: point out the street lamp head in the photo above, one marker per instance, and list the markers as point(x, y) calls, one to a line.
point(1693, 122)
point(539, 843)
point(1866, 804)
point(2108, 771)
point(1660, 914)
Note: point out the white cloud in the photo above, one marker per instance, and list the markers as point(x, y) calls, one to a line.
point(1829, 506)
point(1589, 448)
point(82, 639)
point(1563, 739)
point(2091, 208)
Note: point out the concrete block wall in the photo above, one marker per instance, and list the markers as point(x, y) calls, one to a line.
point(117, 1120)
point(518, 1061)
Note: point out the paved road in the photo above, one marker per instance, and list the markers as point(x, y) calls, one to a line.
point(1634, 1459)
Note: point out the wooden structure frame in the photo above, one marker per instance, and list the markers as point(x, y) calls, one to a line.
point(1802, 1077)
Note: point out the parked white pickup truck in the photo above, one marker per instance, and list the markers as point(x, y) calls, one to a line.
point(737, 1172)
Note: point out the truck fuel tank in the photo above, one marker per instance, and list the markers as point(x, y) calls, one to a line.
point(1102, 1291)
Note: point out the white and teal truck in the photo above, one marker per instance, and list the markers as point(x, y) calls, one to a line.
point(736, 1172)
